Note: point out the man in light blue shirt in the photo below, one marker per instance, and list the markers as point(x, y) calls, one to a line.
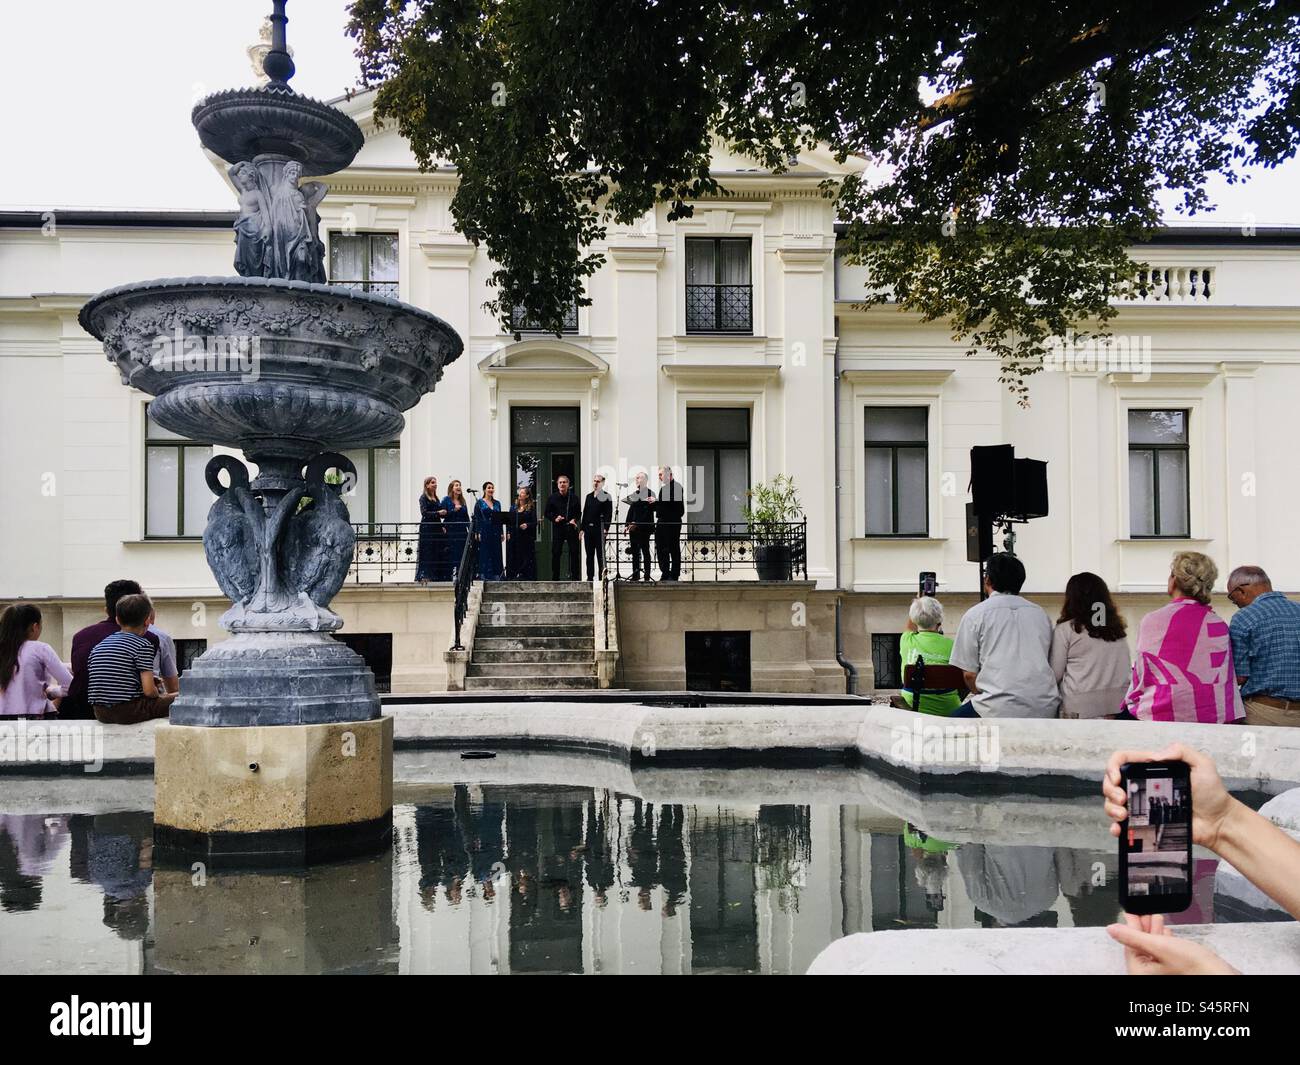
point(1003, 646)
point(1265, 634)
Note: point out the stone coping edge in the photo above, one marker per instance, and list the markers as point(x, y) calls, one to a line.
point(1053, 757)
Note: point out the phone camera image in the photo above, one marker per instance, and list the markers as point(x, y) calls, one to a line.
point(1157, 837)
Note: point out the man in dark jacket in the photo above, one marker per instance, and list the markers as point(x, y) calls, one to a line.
point(669, 511)
point(75, 705)
point(597, 513)
point(562, 514)
point(640, 524)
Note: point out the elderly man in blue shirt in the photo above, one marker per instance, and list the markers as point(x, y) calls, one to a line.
point(1265, 634)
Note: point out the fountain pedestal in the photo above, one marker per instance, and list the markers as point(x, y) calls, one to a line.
point(273, 795)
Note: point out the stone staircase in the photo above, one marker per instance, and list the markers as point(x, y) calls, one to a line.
point(534, 635)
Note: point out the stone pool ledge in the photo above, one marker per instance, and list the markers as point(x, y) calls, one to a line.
point(926, 755)
point(1255, 949)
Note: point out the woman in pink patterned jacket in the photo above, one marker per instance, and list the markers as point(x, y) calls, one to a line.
point(1183, 667)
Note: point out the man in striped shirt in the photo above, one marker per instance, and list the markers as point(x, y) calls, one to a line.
point(122, 686)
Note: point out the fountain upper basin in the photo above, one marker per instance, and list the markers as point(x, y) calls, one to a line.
point(264, 363)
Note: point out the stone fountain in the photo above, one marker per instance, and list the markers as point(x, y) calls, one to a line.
point(276, 748)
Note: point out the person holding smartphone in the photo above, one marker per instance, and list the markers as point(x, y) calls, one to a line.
point(1255, 847)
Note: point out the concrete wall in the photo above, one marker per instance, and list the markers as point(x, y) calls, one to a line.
point(791, 626)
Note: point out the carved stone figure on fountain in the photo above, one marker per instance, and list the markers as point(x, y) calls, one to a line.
point(252, 227)
point(280, 559)
point(293, 251)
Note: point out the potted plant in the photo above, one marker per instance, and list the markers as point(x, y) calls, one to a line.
point(770, 511)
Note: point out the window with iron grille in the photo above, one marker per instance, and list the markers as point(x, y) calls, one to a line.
point(365, 261)
point(897, 455)
point(886, 659)
point(719, 292)
point(1158, 489)
point(521, 323)
point(176, 494)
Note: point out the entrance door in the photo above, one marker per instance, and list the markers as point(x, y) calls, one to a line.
point(544, 447)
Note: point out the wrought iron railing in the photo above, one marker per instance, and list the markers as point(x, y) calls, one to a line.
point(719, 308)
point(390, 289)
point(387, 552)
point(463, 577)
point(722, 551)
point(521, 323)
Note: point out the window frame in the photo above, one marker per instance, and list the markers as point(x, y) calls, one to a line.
point(365, 284)
point(373, 528)
point(1186, 448)
point(717, 284)
point(894, 447)
point(696, 531)
point(179, 444)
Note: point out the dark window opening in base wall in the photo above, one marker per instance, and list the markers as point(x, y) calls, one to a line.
point(187, 651)
point(885, 660)
point(377, 649)
point(717, 662)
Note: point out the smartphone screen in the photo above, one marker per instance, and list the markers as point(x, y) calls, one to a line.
point(927, 584)
point(1155, 842)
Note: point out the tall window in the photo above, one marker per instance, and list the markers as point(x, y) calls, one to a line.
point(717, 451)
point(1158, 473)
point(176, 495)
point(898, 496)
point(719, 293)
point(367, 261)
point(376, 497)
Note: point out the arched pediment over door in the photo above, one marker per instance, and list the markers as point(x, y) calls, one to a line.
point(544, 363)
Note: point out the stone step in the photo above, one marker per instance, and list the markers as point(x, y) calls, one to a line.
point(543, 653)
point(543, 627)
point(531, 669)
point(533, 683)
point(537, 587)
point(532, 644)
point(528, 608)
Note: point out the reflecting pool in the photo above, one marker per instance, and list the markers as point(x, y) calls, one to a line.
point(538, 878)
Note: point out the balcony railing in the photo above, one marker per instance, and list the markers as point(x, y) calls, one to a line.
point(1172, 284)
point(521, 323)
point(386, 552)
point(719, 308)
point(390, 289)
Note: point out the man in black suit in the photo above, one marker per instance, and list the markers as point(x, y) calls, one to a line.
point(669, 512)
point(562, 513)
point(597, 513)
point(640, 524)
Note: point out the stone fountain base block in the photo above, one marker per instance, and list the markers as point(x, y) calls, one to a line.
point(284, 795)
point(277, 678)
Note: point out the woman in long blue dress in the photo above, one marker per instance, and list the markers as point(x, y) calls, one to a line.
point(487, 528)
point(431, 557)
point(521, 538)
point(456, 522)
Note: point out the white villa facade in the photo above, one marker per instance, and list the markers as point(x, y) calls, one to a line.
point(768, 366)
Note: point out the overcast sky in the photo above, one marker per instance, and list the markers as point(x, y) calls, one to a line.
point(100, 91)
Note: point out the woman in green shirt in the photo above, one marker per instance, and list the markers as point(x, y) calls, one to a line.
point(924, 639)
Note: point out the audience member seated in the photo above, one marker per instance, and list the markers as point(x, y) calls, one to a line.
point(1265, 635)
point(1183, 670)
point(1089, 650)
point(1002, 646)
point(122, 689)
point(923, 640)
point(75, 704)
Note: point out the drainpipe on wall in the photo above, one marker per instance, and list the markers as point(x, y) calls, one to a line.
point(850, 670)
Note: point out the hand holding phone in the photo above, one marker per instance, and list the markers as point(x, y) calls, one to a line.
point(1155, 840)
point(928, 585)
